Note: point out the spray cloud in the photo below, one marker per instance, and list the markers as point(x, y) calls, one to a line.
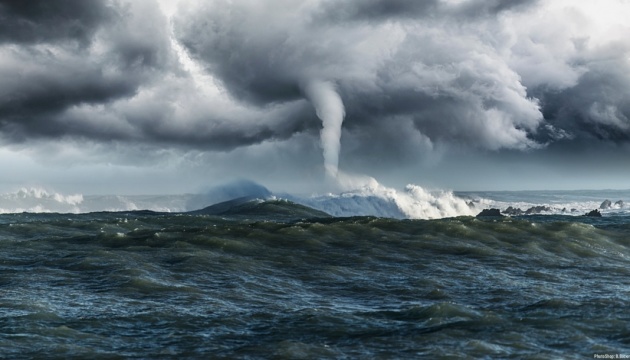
point(330, 110)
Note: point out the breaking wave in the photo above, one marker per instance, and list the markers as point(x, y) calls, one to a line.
point(572, 202)
point(362, 196)
point(354, 196)
point(39, 200)
point(375, 199)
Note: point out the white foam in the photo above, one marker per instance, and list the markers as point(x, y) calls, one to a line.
point(39, 200)
point(353, 195)
point(577, 203)
point(576, 208)
point(364, 195)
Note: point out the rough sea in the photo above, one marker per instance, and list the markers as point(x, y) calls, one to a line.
point(270, 278)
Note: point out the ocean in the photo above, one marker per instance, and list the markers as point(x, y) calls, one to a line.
point(271, 278)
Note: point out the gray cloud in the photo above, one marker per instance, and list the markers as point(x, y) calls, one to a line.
point(596, 108)
point(490, 75)
point(416, 77)
point(376, 10)
point(449, 81)
point(386, 10)
point(118, 79)
point(67, 54)
point(37, 21)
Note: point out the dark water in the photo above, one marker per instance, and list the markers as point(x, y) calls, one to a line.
point(142, 285)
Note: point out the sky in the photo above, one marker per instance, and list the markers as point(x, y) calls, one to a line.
point(159, 97)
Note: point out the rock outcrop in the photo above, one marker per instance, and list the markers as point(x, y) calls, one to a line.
point(537, 209)
point(594, 213)
point(513, 211)
point(490, 213)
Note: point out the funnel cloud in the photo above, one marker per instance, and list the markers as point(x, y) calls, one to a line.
point(329, 109)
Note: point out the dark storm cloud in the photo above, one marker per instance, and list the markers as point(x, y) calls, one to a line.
point(36, 21)
point(108, 71)
point(596, 108)
point(449, 82)
point(384, 10)
point(206, 130)
point(479, 8)
point(481, 74)
point(414, 76)
point(48, 63)
point(246, 48)
point(48, 74)
point(36, 90)
point(376, 9)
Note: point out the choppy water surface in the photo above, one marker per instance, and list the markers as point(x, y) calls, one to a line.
point(148, 285)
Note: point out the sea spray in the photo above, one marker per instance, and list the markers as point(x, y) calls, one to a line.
point(365, 192)
point(353, 195)
point(36, 199)
point(330, 110)
point(364, 195)
point(40, 200)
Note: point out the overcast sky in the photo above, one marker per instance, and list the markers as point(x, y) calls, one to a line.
point(147, 96)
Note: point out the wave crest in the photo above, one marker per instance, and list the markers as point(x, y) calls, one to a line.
point(37, 199)
point(365, 196)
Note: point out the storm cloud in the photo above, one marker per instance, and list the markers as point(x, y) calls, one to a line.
point(414, 78)
point(450, 79)
point(29, 22)
point(490, 75)
point(108, 71)
point(59, 57)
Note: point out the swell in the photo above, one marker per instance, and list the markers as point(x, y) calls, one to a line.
point(128, 284)
point(557, 236)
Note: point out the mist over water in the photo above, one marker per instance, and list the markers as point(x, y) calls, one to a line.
point(350, 195)
point(363, 195)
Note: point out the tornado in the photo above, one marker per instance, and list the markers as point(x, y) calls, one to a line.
point(329, 108)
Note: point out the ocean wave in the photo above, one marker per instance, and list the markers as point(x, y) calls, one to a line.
point(365, 196)
point(352, 196)
point(358, 287)
point(414, 202)
point(558, 207)
point(39, 200)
